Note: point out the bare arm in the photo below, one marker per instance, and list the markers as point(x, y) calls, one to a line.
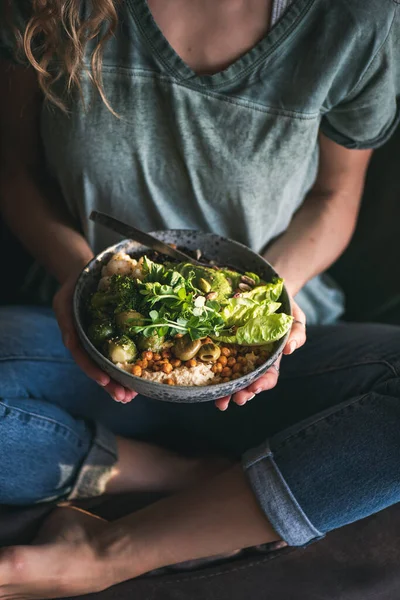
point(324, 224)
point(33, 208)
point(317, 235)
point(30, 204)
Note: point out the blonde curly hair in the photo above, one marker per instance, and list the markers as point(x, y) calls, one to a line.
point(56, 34)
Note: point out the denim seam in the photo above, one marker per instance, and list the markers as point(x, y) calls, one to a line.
point(342, 368)
point(42, 418)
point(236, 100)
point(24, 357)
point(92, 479)
point(289, 499)
point(101, 435)
point(342, 409)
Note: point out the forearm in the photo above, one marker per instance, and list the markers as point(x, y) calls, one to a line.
point(317, 236)
point(30, 205)
point(48, 234)
point(324, 224)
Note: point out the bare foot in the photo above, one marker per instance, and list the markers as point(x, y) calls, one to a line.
point(62, 562)
point(145, 467)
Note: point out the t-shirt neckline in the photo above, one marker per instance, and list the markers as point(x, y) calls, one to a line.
point(249, 61)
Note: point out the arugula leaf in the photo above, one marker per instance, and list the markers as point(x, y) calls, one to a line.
point(155, 272)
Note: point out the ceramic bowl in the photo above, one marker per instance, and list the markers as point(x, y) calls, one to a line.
point(214, 247)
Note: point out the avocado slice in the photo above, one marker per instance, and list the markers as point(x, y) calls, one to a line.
point(217, 279)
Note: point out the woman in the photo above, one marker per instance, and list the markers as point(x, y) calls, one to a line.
point(255, 120)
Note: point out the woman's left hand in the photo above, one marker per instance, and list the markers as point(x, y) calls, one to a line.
point(269, 380)
point(63, 560)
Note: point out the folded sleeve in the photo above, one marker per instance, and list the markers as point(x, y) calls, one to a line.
point(13, 16)
point(371, 112)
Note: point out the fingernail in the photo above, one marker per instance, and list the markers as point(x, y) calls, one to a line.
point(251, 397)
point(258, 391)
point(102, 382)
point(292, 346)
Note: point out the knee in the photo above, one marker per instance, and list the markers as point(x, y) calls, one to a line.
point(42, 458)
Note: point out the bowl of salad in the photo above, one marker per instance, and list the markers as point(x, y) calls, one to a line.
point(178, 332)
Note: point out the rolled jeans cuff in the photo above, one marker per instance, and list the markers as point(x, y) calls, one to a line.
point(276, 500)
point(97, 469)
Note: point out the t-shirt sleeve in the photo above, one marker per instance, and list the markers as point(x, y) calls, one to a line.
point(370, 114)
point(16, 16)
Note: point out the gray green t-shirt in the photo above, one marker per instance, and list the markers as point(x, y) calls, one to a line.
point(235, 152)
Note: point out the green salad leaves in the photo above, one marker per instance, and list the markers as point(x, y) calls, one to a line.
point(172, 299)
point(253, 318)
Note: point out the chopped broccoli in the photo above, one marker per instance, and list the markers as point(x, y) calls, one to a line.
point(122, 295)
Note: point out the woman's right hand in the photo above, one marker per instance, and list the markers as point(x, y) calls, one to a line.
point(62, 306)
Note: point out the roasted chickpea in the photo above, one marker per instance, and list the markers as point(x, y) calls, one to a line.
point(166, 353)
point(236, 376)
point(226, 372)
point(170, 381)
point(191, 363)
point(219, 367)
point(161, 362)
point(236, 368)
point(225, 380)
point(231, 361)
point(148, 355)
point(225, 351)
point(167, 368)
point(214, 368)
point(223, 360)
point(136, 370)
point(175, 362)
point(156, 357)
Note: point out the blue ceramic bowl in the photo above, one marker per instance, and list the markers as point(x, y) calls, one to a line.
point(214, 247)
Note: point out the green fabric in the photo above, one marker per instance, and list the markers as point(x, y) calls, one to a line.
point(235, 152)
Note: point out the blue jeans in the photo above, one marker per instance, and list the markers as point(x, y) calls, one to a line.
point(320, 450)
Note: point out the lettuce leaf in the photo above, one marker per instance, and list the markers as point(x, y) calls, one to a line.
point(239, 310)
point(252, 316)
point(270, 292)
point(259, 330)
